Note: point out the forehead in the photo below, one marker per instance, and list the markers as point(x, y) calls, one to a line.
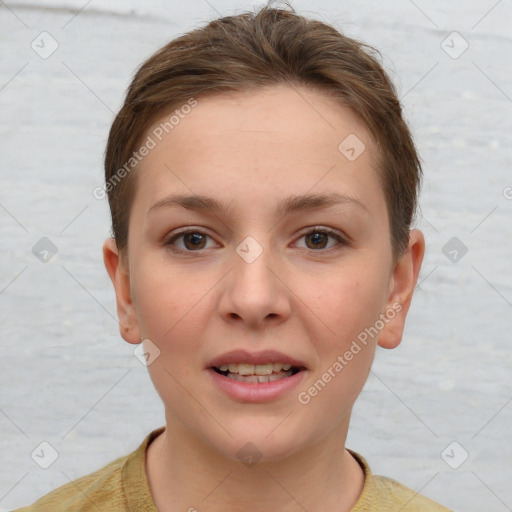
point(266, 143)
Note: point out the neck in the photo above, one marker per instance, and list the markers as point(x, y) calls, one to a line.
point(185, 473)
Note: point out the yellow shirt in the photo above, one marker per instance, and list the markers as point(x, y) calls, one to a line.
point(122, 486)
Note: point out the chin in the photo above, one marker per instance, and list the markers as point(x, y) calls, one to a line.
point(259, 442)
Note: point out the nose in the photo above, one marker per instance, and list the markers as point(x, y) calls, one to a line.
point(255, 293)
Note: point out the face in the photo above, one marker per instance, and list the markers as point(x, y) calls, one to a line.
point(295, 285)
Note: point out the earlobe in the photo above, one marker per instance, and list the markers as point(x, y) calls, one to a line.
point(119, 275)
point(404, 278)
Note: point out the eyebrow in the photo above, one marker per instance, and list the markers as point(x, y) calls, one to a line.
point(305, 202)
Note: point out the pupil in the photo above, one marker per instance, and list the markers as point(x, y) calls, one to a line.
point(195, 237)
point(315, 237)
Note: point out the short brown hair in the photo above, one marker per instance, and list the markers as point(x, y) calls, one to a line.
point(254, 49)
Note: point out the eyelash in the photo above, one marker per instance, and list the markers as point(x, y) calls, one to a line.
point(324, 230)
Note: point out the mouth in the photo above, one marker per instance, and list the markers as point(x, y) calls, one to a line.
point(256, 377)
point(257, 373)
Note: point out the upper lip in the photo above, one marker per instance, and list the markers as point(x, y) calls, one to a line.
point(261, 357)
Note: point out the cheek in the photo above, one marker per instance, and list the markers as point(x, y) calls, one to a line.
point(350, 306)
point(350, 309)
point(170, 306)
point(347, 304)
point(167, 299)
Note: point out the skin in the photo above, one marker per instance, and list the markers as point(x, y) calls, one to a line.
point(308, 298)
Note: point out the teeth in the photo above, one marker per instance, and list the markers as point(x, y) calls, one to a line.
point(252, 369)
point(264, 369)
point(245, 369)
point(259, 378)
point(277, 376)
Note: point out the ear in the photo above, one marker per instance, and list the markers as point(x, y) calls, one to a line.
point(402, 284)
point(119, 275)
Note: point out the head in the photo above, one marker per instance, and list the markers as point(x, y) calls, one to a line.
point(277, 128)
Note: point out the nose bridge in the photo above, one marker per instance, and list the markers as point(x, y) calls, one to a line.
point(252, 270)
point(254, 292)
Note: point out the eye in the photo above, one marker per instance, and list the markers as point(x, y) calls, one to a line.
point(192, 240)
point(318, 237)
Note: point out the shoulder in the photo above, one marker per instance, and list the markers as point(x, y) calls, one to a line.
point(119, 486)
point(393, 494)
point(90, 492)
point(382, 494)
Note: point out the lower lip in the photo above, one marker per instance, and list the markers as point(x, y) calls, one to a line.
point(256, 391)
